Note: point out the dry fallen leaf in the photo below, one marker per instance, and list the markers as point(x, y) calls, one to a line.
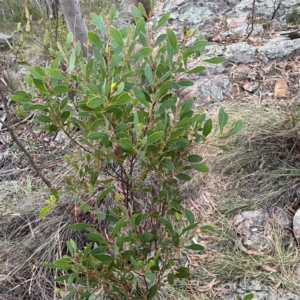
point(280, 88)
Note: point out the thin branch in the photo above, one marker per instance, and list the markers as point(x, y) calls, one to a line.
point(9, 127)
point(252, 19)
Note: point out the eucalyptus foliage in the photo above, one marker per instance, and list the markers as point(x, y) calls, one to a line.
point(133, 147)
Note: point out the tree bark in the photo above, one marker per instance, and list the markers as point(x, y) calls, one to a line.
point(75, 22)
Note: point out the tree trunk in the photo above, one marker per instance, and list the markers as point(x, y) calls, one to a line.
point(75, 22)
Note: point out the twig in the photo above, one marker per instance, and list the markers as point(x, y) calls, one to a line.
point(252, 19)
point(9, 127)
point(276, 9)
point(18, 123)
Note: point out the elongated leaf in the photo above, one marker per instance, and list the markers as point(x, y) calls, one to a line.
point(172, 38)
point(97, 21)
point(123, 98)
point(96, 135)
point(37, 72)
point(168, 165)
point(104, 193)
point(94, 102)
point(152, 291)
point(55, 74)
point(143, 52)
point(61, 89)
point(167, 224)
point(44, 210)
point(215, 60)
point(171, 278)
point(197, 70)
point(126, 144)
point(95, 40)
point(207, 127)
point(238, 126)
point(183, 177)
point(194, 158)
point(188, 104)
point(199, 167)
point(195, 247)
point(148, 74)
point(222, 118)
point(165, 106)
point(207, 228)
point(156, 136)
point(190, 216)
point(116, 36)
point(44, 119)
point(163, 20)
point(185, 83)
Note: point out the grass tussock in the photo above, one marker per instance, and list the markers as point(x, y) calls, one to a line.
point(260, 172)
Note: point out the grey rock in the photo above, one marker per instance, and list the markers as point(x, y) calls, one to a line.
point(296, 225)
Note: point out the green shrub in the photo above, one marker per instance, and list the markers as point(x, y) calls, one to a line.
point(133, 148)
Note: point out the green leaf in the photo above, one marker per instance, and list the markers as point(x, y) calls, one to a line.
point(248, 297)
point(44, 119)
point(140, 27)
point(61, 89)
point(79, 226)
point(160, 39)
point(140, 95)
point(168, 165)
point(104, 193)
point(20, 96)
point(171, 278)
point(222, 118)
point(107, 259)
point(190, 227)
point(156, 136)
point(165, 106)
point(194, 158)
point(152, 291)
point(138, 219)
point(95, 40)
point(222, 147)
point(71, 62)
point(116, 36)
point(96, 237)
point(134, 263)
point(198, 46)
point(165, 88)
point(190, 216)
point(122, 99)
point(65, 116)
point(148, 74)
point(121, 223)
point(145, 237)
point(237, 127)
point(199, 167)
point(94, 102)
point(196, 70)
point(96, 136)
point(183, 177)
point(207, 127)
point(150, 276)
point(55, 74)
point(126, 144)
point(39, 85)
point(163, 20)
point(172, 38)
point(143, 52)
point(182, 272)
point(97, 21)
point(188, 104)
point(44, 210)
point(37, 72)
point(167, 224)
point(185, 83)
point(207, 228)
point(195, 247)
point(215, 60)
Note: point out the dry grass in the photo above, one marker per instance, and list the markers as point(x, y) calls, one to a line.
point(260, 172)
